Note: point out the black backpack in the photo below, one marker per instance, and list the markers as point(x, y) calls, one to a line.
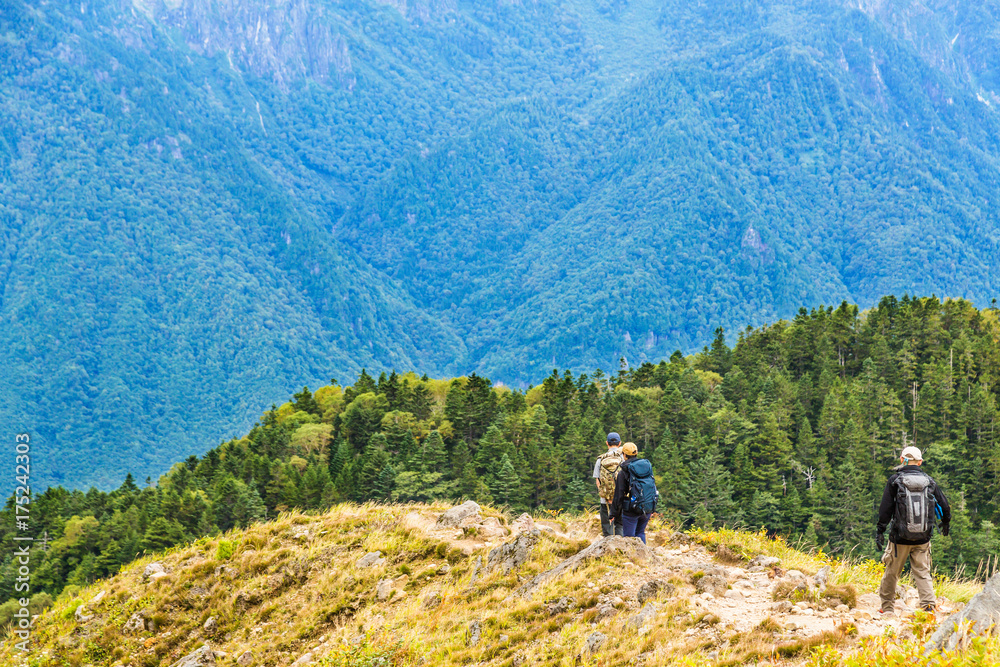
point(915, 507)
point(642, 493)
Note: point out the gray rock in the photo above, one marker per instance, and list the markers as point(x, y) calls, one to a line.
point(795, 575)
point(245, 659)
point(211, 625)
point(474, 633)
point(644, 617)
point(97, 598)
point(560, 606)
point(151, 569)
point(982, 613)
point(476, 567)
point(383, 589)
point(200, 657)
point(605, 611)
point(453, 518)
point(821, 578)
point(198, 592)
point(523, 524)
point(432, 600)
point(869, 600)
point(712, 583)
point(784, 606)
point(511, 555)
point(716, 570)
point(594, 642)
point(81, 614)
point(373, 559)
point(764, 561)
point(490, 528)
point(307, 658)
point(135, 624)
point(653, 588)
point(615, 547)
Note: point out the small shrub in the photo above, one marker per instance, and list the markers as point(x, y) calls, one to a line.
point(768, 625)
point(729, 555)
point(71, 608)
point(224, 551)
point(842, 594)
point(789, 590)
point(565, 550)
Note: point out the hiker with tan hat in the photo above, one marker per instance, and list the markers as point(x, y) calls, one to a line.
point(635, 493)
point(911, 501)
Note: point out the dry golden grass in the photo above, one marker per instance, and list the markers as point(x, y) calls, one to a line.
point(282, 588)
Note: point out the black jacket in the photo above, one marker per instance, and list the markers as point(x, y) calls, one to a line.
point(621, 488)
point(887, 509)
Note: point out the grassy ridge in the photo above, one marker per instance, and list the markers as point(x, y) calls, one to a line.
point(289, 586)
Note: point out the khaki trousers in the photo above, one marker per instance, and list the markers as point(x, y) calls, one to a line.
point(920, 568)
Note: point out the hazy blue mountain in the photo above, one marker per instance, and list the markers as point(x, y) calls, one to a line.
point(201, 200)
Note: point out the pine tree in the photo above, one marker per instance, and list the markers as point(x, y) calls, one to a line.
point(109, 560)
point(770, 453)
point(576, 496)
point(305, 402)
point(433, 456)
point(342, 454)
point(492, 448)
point(506, 487)
point(711, 490)
point(162, 533)
point(382, 489)
point(674, 479)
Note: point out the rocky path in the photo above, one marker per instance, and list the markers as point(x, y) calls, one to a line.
point(735, 598)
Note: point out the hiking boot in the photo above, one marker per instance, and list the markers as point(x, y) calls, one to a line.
point(929, 607)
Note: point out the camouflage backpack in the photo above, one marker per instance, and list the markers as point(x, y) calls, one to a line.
point(610, 462)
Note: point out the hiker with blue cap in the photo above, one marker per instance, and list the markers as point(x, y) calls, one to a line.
point(605, 473)
point(912, 501)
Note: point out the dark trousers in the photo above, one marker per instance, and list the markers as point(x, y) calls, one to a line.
point(606, 522)
point(635, 526)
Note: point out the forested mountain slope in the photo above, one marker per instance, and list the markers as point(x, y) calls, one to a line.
point(207, 200)
point(794, 430)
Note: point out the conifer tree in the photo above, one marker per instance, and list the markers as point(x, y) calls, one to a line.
point(506, 487)
point(384, 484)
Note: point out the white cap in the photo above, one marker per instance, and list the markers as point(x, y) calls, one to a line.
point(911, 453)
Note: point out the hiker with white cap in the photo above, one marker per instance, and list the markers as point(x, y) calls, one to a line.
point(911, 501)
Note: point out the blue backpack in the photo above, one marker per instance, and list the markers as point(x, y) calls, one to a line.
point(642, 493)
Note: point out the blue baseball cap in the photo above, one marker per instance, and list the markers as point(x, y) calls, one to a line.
point(614, 437)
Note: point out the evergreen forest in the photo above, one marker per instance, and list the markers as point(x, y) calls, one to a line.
point(207, 205)
point(794, 429)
